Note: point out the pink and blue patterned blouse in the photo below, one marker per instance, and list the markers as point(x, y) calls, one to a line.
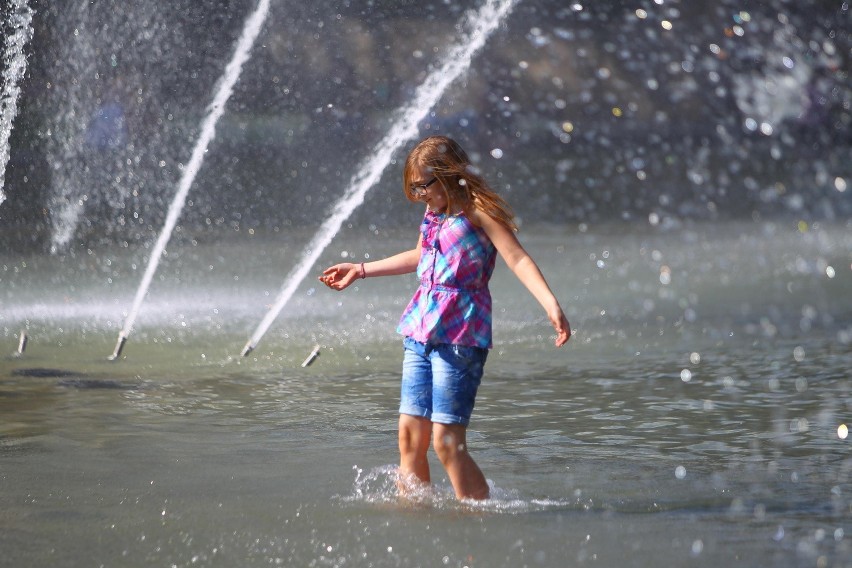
point(453, 303)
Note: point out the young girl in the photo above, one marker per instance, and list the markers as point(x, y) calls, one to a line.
point(447, 324)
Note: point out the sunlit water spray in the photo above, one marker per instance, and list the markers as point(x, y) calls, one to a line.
point(477, 28)
point(208, 129)
point(14, 67)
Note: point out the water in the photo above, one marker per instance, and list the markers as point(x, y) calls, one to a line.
point(20, 31)
point(605, 452)
point(476, 30)
point(116, 100)
point(208, 130)
point(699, 416)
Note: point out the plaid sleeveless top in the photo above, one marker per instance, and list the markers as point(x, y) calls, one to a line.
point(453, 303)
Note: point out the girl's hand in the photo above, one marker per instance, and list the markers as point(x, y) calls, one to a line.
point(562, 327)
point(340, 276)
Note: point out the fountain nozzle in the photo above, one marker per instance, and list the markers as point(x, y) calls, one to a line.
point(22, 344)
point(122, 339)
point(312, 357)
point(247, 349)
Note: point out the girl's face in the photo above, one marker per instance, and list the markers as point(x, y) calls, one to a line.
point(435, 196)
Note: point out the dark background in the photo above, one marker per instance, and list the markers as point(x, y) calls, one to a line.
point(740, 110)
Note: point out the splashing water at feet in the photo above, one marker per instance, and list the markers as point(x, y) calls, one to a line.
point(380, 486)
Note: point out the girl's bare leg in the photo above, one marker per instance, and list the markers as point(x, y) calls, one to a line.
point(450, 444)
point(415, 434)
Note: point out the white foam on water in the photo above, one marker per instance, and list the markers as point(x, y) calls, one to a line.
point(477, 27)
point(208, 130)
point(14, 68)
point(379, 487)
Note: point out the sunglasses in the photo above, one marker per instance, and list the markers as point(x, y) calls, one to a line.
point(420, 190)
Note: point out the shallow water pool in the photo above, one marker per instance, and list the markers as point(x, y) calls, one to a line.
point(696, 418)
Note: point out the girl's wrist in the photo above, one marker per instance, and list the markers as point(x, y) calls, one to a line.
point(361, 272)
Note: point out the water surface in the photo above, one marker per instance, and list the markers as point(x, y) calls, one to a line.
point(693, 419)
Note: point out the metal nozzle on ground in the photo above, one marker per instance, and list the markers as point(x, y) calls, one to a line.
point(119, 346)
point(312, 357)
point(22, 344)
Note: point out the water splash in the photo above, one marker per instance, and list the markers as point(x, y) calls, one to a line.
point(378, 487)
point(229, 78)
point(14, 68)
point(477, 27)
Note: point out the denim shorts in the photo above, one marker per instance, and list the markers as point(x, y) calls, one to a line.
point(439, 382)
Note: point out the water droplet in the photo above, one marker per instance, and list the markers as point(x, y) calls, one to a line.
point(497, 153)
point(842, 431)
point(680, 472)
point(697, 547)
point(686, 375)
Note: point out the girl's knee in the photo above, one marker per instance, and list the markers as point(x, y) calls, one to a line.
point(414, 434)
point(448, 441)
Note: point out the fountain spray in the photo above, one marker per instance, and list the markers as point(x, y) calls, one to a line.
point(208, 130)
point(14, 69)
point(477, 28)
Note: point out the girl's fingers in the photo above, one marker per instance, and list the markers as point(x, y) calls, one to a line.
point(563, 330)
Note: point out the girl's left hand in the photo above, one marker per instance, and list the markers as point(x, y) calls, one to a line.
point(562, 327)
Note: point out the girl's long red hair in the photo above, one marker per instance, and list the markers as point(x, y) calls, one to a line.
point(466, 189)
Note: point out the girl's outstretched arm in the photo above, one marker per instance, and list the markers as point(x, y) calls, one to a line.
point(340, 276)
point(527, 271)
